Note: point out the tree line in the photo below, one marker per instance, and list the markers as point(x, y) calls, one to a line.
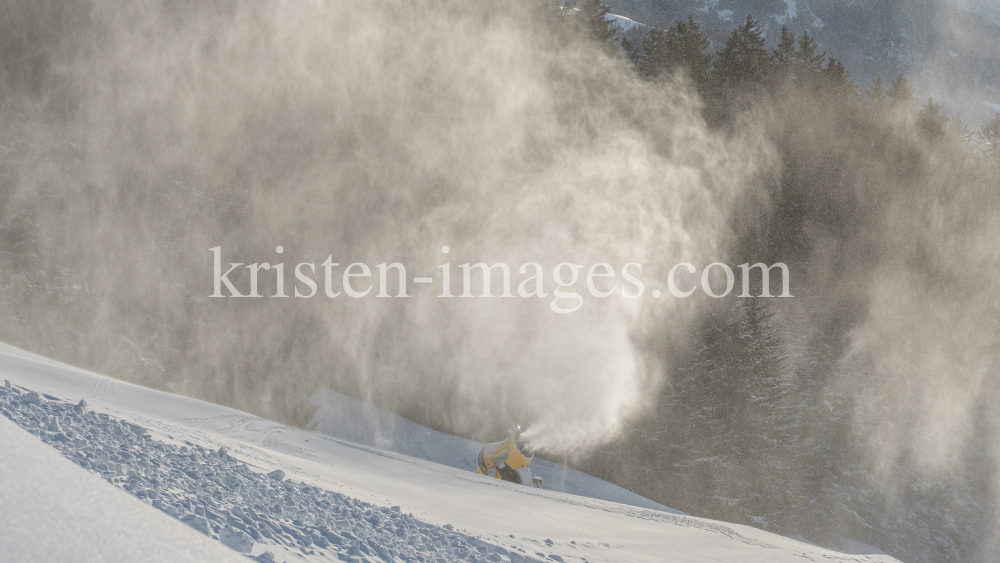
point(744, 69)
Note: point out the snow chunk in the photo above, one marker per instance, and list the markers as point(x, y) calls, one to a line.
point(196, 522)
point(236, 539)
point(31, 398)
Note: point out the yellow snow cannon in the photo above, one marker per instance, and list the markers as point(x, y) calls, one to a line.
point(505, 460)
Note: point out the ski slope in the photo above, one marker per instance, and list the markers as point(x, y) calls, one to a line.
point(350, 419)
point(335, 498)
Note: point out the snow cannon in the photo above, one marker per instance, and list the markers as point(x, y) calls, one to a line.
point(509, 460)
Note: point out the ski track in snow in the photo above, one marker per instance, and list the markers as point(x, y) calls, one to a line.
point(224, 498)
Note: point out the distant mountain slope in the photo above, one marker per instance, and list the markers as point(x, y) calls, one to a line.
point(988, 9)
point(946, 51)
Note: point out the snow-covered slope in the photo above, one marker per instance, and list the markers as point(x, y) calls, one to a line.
point(51, 510)
point(338, 499)
point(347, 418)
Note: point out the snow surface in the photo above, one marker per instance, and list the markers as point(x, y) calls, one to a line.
point(223, 498)
point(51, 510)
point(329, 499)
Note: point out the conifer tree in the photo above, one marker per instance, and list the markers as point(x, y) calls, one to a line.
point(682, 47)
point(687, 49)
point(958, 129)
point(806, 56)
point(592, 18)
point(655, 58)
point(784, 54)
point(732, 402)
point(900, 93)
point(876, 93)
point(799, 61)
point(931, 120)
point(837, 74)
point(632, 52)
point(990, 135)
point(743, 64)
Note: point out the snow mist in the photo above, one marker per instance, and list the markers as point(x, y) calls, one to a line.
point(146, 135)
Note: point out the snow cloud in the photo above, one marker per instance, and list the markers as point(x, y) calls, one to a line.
point(152, 133)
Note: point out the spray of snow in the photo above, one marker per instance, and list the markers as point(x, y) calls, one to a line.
point(375, 139)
